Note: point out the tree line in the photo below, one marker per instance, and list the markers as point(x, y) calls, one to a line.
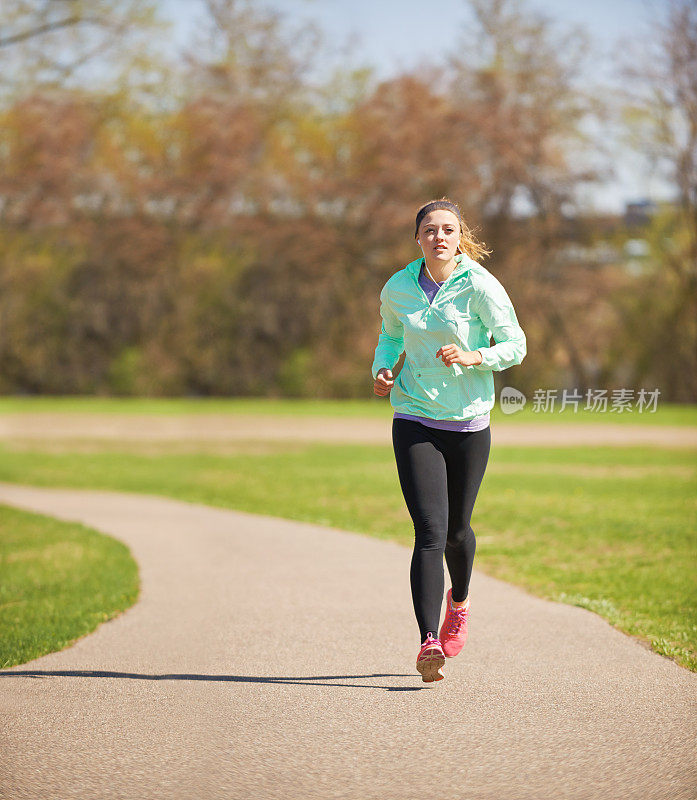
point(221, 223)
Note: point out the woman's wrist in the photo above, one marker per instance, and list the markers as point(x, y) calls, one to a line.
point(481, 356)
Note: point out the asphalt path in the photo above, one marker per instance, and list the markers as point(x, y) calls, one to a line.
point(274, 659)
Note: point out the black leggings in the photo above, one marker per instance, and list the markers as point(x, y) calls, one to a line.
point(440, 473)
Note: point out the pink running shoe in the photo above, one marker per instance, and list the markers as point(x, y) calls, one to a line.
point(430, 660)
point(453, 631)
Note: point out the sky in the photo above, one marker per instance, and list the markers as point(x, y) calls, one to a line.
point(392, 36)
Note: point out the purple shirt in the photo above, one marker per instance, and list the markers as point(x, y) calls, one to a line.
point(478, 423)
point(430, 287)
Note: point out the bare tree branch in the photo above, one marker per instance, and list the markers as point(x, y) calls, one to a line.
point(48, 28)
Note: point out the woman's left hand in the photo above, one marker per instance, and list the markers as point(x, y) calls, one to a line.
point(452, 354)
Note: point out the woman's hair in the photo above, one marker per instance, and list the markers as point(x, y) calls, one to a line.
point(468, 243)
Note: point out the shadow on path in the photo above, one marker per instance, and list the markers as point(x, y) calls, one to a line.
point(310, 680)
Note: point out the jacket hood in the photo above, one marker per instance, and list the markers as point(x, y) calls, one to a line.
point(464, 265)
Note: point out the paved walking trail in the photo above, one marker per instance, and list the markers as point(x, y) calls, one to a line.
point(221, 429)
point(272, 659)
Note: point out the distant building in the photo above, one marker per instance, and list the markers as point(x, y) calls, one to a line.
point(639, 213)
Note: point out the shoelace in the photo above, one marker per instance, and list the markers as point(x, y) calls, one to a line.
point(456, 619)
point(430, 642)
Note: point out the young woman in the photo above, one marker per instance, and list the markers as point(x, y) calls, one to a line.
point(442, 310)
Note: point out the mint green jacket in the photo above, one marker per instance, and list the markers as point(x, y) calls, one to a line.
point(470, 308)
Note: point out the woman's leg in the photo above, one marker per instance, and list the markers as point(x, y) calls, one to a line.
point(422, 476)
point(466, 460)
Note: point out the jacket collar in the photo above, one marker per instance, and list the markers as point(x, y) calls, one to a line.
point(464, 264)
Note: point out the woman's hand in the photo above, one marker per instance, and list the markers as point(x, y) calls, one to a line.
point(383, 383)
point(452, 354)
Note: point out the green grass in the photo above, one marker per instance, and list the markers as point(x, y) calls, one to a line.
point(58, 581)
point(375, 408)
point(611, 529)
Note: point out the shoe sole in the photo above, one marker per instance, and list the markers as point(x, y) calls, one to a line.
point(429, 664)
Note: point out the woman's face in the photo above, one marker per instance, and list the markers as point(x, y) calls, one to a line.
point(439, 235)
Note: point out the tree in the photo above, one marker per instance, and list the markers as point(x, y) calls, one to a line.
point(516, 95)
point(660, 322)
point(49, 43)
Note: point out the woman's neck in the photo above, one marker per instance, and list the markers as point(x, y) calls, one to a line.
point(441, 272)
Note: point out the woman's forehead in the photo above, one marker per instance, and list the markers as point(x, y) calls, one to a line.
point(441, 216)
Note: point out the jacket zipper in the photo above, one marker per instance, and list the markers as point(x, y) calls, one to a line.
point(425, 296)
point(445, 282)
point(431, 305)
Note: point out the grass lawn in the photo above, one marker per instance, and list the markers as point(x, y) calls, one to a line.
point(372, 407)
point(58, 581)
point(611, 529)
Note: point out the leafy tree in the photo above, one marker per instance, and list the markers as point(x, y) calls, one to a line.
point(659, 321)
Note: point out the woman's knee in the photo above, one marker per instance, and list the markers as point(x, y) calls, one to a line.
point(430, 535)
point(460, 538)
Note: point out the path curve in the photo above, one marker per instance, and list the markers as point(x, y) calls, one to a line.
point(273, 659)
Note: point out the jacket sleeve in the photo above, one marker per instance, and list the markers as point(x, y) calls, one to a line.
point(496, 311)
point(391, 339)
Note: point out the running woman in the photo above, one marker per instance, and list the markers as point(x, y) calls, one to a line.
point(442, 310)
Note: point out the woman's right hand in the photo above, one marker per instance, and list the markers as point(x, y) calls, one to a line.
point(383, 383)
